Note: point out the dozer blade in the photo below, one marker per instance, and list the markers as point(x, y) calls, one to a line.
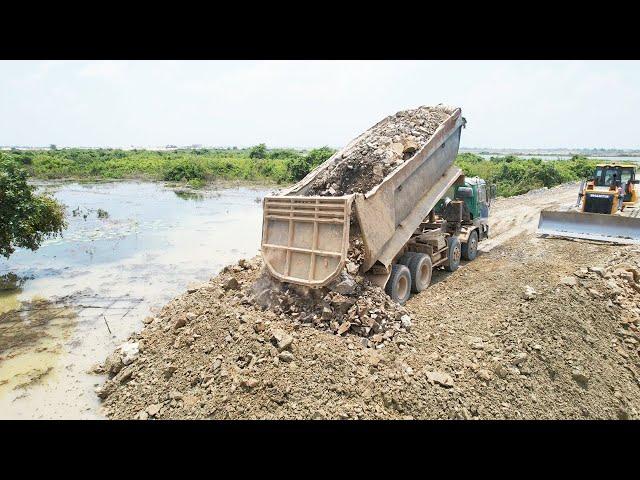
point(590, 226)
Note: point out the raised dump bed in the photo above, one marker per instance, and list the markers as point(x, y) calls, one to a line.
point(305, 238)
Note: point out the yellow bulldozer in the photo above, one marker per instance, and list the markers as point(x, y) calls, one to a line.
point(606, 210)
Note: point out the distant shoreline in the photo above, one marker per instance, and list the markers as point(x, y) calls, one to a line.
point(554, 153)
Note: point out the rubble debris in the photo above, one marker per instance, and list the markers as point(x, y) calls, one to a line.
point(590, 329)
point(367, 160)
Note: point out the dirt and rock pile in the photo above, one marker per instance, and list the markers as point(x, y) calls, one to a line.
point(382, 148)
point(568, 349)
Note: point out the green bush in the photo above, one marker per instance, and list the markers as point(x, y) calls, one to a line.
point(259, 151)
point(184, 171)
point(515, 176)
point(299, 167)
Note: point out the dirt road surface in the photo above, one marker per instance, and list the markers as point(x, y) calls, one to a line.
point(533, 328)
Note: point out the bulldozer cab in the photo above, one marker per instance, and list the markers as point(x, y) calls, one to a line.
point(613, 175)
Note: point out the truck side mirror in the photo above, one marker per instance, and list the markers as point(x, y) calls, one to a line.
point(635, 182)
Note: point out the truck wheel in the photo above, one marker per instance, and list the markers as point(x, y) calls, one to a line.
point(453, 254)
point(420, 269)
point(470, 248)
point(399, 284)
point(407, 258)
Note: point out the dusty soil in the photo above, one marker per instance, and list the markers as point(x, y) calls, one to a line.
point(368, 159)
point(533, 328)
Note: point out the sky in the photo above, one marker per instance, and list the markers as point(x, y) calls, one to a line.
point(305, 104)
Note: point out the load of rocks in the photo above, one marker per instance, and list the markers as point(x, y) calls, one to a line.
point(349, 304)
point(382, 148)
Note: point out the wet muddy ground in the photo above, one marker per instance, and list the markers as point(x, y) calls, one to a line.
point(130, 248)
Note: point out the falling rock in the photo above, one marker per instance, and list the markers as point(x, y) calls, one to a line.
point(345, 285)
point(443, 379)
point(352, 268)
point(231, 284)
point(344, 328)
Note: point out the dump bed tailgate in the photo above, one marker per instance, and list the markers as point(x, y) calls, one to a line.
point(305, 239)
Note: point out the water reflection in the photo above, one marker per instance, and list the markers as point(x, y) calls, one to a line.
point(107, 272)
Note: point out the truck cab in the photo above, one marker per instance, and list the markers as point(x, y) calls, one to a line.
point(477, 196)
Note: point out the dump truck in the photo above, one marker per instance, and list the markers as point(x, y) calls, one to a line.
point(423, 215)
point(603, 211)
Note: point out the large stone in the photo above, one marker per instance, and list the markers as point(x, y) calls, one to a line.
point(281, 339)
point(344, 286)
point(231, 284)
point(113, 364)
point(129, 352)
point(529, 293)
point(570, 281)
point(443, 379)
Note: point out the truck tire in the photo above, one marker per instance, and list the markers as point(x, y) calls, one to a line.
point(470, 247)
point(420, 268)
point(407, 258)
point(399, 284)
point(453, 254)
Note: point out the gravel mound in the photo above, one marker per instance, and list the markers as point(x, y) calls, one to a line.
point(379, 150)
point(561, 343)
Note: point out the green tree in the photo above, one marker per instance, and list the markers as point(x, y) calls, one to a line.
point(26, 218)
point(259, 151)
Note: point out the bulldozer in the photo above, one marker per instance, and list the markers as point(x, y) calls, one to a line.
point(602, 211)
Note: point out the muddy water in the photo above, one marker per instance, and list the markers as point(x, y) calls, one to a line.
point(130, 247)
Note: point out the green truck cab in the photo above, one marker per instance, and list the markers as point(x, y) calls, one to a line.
point(477, 196)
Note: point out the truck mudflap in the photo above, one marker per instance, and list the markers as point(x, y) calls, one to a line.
point(590, 226)
point(305, 239)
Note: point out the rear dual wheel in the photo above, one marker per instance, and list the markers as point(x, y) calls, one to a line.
point(412, 273)
point(420, 269)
